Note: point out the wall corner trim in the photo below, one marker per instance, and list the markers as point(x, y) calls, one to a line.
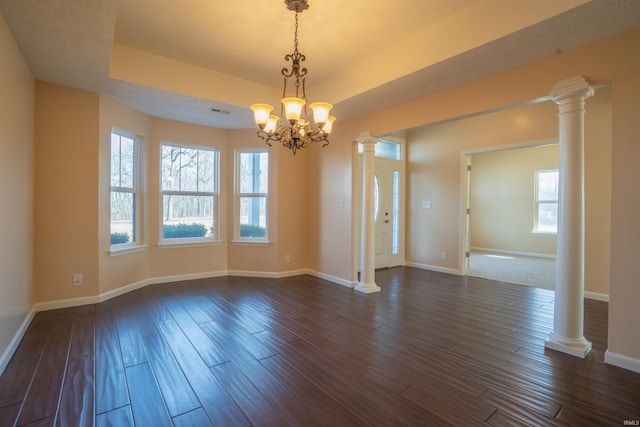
point(622, 361)
point(333, 279)
point(15, 341)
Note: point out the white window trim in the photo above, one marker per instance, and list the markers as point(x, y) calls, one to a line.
point(126, 250)
point(190, 241)
point(137, 244)
point(249, 241)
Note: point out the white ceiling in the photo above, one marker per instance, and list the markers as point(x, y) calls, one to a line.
point(177, 59)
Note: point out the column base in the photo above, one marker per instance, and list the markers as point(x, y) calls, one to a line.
point(575, 347)
point(367, 288)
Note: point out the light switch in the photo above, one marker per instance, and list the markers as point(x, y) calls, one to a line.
point(426, 204)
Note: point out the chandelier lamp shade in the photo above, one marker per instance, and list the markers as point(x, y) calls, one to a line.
point(291, 128)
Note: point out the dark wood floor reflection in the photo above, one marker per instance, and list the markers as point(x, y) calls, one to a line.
point(429, 349)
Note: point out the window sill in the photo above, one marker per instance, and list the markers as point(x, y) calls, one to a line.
point(544, 233)
point(126, 250)
point(250, 242)
point(181, 243)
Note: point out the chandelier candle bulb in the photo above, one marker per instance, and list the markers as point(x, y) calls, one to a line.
point(321, 112)
point(261, 113)
point(272, 124)
point(293, 108)
point(326, 128)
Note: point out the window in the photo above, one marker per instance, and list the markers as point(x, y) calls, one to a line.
point(395, 214)
point(124, 189)
point(546, 203)
point(252, 188)
point(386, 149)
point(189, 192)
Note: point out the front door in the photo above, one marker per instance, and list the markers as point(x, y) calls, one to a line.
point(383, 219)
point(387, 213)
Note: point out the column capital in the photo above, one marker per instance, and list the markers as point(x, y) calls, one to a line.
point(367, 138)
point(570, 88)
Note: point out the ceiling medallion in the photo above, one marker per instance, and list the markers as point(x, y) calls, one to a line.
point(291, 128)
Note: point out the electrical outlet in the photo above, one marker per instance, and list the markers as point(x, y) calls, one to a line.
point(443, 256)
point(77, 279)
point(287, 259)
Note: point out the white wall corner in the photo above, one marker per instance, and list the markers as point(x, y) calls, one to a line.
point(333, 279)
point(15, 341)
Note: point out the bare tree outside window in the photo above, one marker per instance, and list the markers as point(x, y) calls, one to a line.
point(252, 191)
point(189, 192)
point(124, 188)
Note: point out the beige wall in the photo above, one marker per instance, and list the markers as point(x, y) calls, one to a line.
point(434, 171)
point(502, 199)
point(610, 60)
point(244, 257)
point(181, 260)
point(16, 193)
point(287, 210)
point(74, 126)
point(624, 316)
point(69, 146)
point(330, 207)
point(66, 200)
point(118, 271)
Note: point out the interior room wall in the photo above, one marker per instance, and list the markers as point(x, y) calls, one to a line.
point(624, 316)
point(66, 138)
point(605, 61)
point(502, 200)
point(16, 193)
point(245, 257)
point(190, 259)
point(126, 269)
point(434, 171)
point(331, 206)
point(65, 189)
point(292, 206)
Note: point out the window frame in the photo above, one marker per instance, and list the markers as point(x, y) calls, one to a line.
point(238, 195)
point(537, 202)
point(215, 195)
point(136, 190)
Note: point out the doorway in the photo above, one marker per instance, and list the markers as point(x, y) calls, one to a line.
point(502, 239)
point(388, 205)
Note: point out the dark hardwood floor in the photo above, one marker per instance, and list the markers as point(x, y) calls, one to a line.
point(430, 349)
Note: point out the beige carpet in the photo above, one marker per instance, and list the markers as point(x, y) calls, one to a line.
point(532, 271)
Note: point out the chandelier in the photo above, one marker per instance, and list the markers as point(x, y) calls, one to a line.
point(291, 128)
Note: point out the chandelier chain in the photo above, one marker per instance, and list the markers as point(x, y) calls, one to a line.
point(295, 37)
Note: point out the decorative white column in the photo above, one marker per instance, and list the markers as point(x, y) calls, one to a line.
point(568, 320)
point(367, 282)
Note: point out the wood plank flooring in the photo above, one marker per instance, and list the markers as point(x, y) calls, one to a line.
point(430, 349)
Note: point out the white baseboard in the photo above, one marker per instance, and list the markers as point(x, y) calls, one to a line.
point(333, 279)
point(267, 274)
point(596, 296)
point(95, 299)
point(15, 341)
point(432, 268)
point(622, 361)
point(515, 253)
point(105, 296)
